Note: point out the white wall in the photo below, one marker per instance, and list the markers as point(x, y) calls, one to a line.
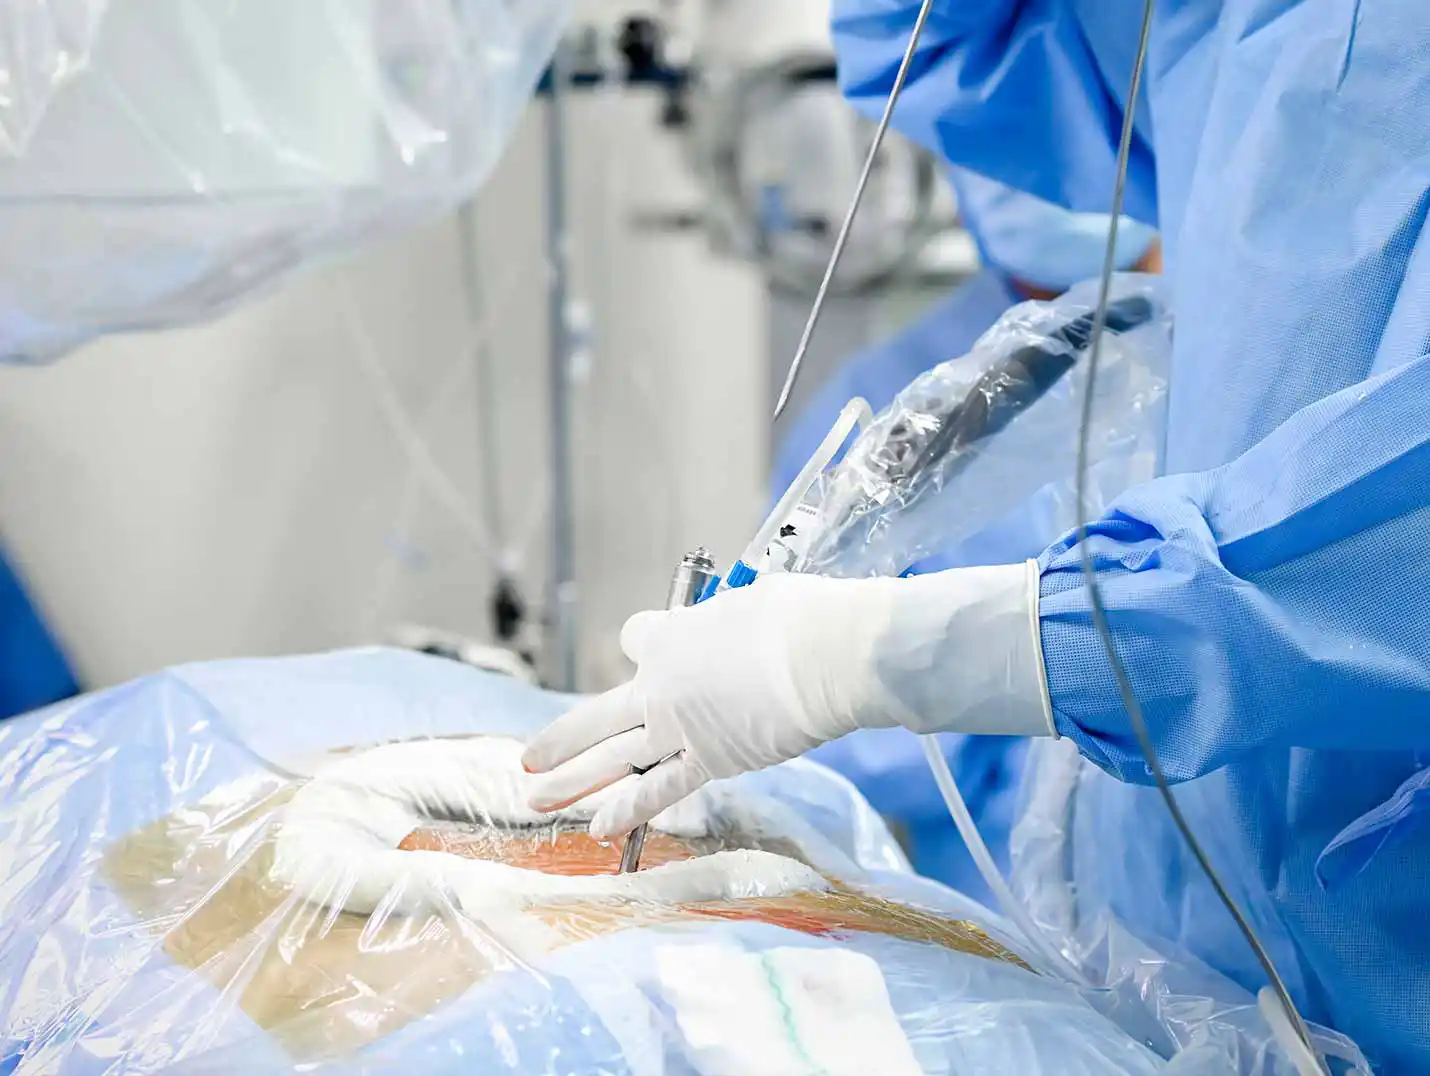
point(238, 488)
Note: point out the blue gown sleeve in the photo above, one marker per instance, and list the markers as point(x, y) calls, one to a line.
point(1275, 602)
point(1010, 89)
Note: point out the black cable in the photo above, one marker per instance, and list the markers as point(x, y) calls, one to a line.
point(1099, 611)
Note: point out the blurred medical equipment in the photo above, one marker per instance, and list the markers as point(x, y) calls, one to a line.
point(454, 647)
point(156, 918)
point(775, 149)
point(777, 153)
point(771, 142)
point(508, 607)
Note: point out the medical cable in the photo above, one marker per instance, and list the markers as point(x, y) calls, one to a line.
point(983, 860)
point(1302, 1037)
point(842, 239)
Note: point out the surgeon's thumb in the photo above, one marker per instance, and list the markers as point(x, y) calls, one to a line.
point(638, 632)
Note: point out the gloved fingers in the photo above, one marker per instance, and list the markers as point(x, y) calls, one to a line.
point(643, 797)
point(637, 631)
point(593, 770)
point(582, 727)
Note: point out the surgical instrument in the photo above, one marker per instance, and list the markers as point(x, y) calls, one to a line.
point(894, 469)
point(694, 580)
point(842, 239)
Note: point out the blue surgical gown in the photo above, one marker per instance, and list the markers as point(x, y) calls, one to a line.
point(1271, 594)
point(33, 671)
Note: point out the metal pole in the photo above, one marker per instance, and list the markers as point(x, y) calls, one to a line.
point(561, 597)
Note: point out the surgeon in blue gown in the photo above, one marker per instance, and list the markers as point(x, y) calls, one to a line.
point(1030, 249)
point(1269, 595)
point(33, 670)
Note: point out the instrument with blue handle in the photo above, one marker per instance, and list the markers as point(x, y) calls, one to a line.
point(694, 581)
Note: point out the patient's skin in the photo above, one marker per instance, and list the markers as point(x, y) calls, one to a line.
point(566, 852)
point(575, 852)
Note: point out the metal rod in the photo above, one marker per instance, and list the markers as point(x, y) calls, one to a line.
point(562, 597)
point(844, 229)
point(631, 853)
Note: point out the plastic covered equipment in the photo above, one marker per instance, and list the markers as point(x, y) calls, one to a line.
point(994, 433)
point(1047, 864)
point(326, 864)
point(160, 161)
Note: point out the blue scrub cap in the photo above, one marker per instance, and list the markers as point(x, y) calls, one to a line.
point(1040, 243)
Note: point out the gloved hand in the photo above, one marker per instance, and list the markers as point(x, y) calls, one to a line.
point(762, 674)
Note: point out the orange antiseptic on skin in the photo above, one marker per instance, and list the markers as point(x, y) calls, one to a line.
point(573, 853)
point(577, 853)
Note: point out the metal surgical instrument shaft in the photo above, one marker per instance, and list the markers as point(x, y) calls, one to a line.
point(842, 239)
point(694, 578)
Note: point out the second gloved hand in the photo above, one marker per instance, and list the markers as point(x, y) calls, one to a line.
point(762, 674)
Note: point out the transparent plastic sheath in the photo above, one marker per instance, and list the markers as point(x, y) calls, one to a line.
point(161, 161)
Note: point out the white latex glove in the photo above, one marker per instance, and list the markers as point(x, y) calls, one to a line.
point(763, 673)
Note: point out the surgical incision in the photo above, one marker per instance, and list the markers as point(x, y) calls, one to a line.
point(569, 852)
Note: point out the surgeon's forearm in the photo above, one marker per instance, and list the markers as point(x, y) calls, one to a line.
point(1005, 88)
point(1277, 602)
